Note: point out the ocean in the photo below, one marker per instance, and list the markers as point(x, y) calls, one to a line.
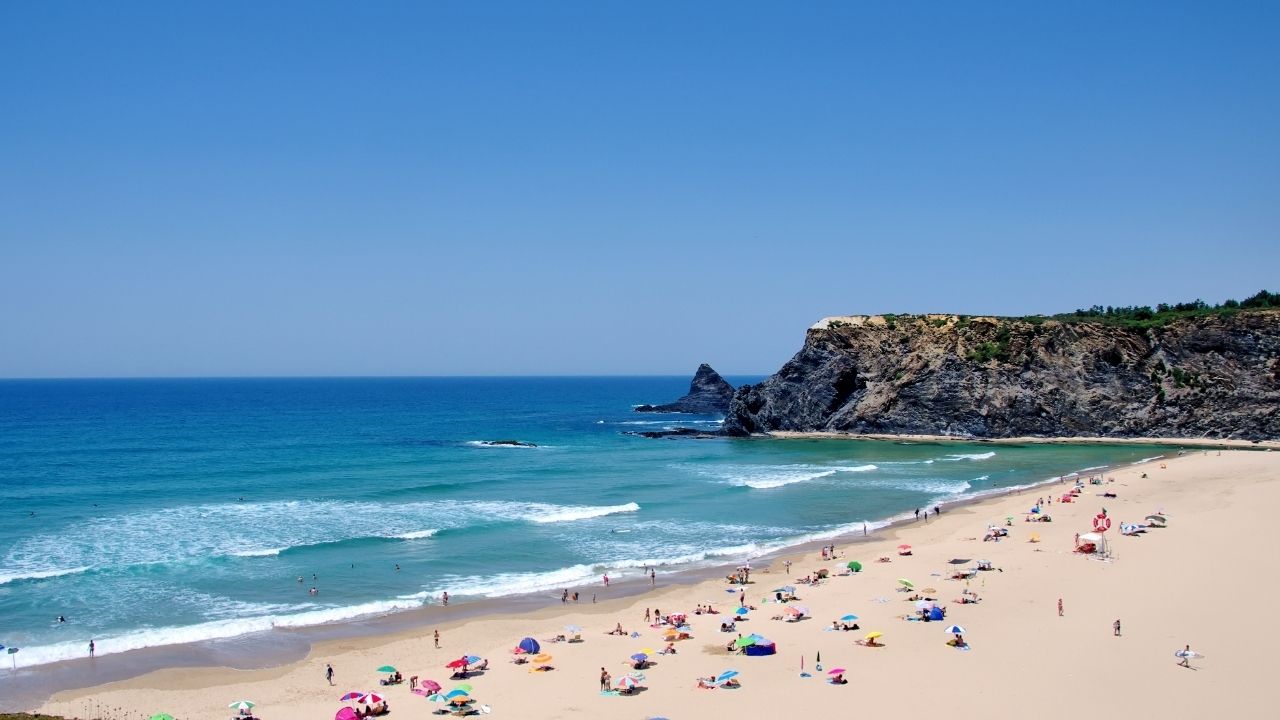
point(158, 512)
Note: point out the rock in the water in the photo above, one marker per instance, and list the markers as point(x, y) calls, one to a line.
point(507, 443)
point(1214, 376)
point(709, 394)
point(680, 432)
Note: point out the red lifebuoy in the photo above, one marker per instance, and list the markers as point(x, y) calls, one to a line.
point(1102, 523)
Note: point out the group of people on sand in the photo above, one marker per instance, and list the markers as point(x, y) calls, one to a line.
point(381, 708)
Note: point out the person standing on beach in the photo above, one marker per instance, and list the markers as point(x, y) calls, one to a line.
point(1059, 607)
point(646, 616)
point(444, 598)
point(1115, 626)
point(653, 577)
point(1186, 657)
point(564, 597)
point(786, 566)
point(437, 638)
point(917, 513)
point(604, 679)
point(606, 579)
point(92, 647)
point(328, 673)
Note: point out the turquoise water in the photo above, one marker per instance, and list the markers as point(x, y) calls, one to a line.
point(153, 512)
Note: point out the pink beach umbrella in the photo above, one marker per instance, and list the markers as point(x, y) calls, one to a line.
point(431, 685)
point(837, 671)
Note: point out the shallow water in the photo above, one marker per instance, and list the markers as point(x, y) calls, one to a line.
point(155, 512)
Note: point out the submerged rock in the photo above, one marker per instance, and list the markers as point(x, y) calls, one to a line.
point(709, 394)
point(507, 443)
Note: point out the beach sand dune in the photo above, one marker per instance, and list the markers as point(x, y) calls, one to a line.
point(1205, 580)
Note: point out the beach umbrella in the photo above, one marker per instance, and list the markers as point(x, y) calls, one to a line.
point(745, 641)
point(626, 681)
point(437, 698)
point(837, 671)
point(464, 687)
point(647, 651)
point(904, 546)
point(542, 658)
point(472, 659)
point(797, 610)
point(929, 590)
point(726, 676)
point(371, 698)
point(430, 685)
point(529, 645)
point(460, 700)
point(874, 635)
point(346, 713)
point(639, 657)
point(387, 669)
point(849, 618)
point(242, 705)
point(855, 566)
point(954, 630)
point(351, 695)
point(906, 583)
point(456, 692)
point(742, 611)
point(167, 716)
point(924, 604)
point(787, 589)
point(460, 662)
point(572, 629)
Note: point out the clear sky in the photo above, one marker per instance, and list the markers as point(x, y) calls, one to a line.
point(421, 188)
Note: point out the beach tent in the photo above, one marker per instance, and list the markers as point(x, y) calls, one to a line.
point(935, 613)
point(346, 713)
point(529, 645)
point(762, 647)
point(1094, 541)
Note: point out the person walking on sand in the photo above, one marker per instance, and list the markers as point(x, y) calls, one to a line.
point(1059, 607)
point(437, 639)
point(1186, 656)
point(328, 673)
point(606, 579)
point(646, 616)
point(1115, 627)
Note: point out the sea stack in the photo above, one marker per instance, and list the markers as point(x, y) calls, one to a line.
point(709, 394)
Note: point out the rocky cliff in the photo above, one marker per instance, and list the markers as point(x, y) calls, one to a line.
point(1215, 376)
point(709, 394)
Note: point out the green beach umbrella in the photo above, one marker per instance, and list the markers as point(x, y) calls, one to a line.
point(855, 566)
point(386, 668)
point(464, 687)
point(906, 583)
point(161, 716)
point(744, 642)
point(242, 705)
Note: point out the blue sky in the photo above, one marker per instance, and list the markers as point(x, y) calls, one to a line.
point(314, 188)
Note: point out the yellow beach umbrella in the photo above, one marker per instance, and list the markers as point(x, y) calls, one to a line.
point(542, 658)
point(874, 635)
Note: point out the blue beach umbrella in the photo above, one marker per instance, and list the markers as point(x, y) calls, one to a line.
point(455, 693)
point(473, 659)
point(954, 630)
point(726, 676)
point(742, 610)
point(848, 618)
point(639, 657)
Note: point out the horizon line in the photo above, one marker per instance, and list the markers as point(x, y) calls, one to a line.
point(363, 377)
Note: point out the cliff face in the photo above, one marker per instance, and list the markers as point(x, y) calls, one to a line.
point(1215, 376)
point(709, 394)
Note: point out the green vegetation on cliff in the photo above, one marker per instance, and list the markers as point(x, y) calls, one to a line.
point(1145, 316)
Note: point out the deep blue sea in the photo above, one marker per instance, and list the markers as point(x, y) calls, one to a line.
point(152, 512)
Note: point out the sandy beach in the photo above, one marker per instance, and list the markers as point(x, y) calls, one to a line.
point(1214, 443)
point(1194, 582)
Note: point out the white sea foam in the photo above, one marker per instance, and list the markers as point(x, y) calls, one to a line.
point(212, 630)
point(267, 552)
point(416, 534)
point(1147, 460)
point(555, 514)
point(17, 575)
point(971, 456)
point(765, 477)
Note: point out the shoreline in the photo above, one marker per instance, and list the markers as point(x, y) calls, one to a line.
point(288, 646)
point(1145, 583)
point(1195, 443)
